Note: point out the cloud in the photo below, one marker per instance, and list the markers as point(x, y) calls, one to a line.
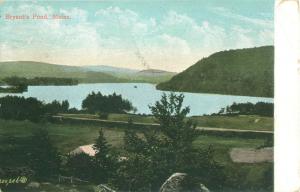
point(228, 13)
point(114, 36)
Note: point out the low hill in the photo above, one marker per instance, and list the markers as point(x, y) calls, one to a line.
point(110, 69)
point(155, 72)
point(246, 72)
point(133, 75)
point(85, 74)
point(30, 69)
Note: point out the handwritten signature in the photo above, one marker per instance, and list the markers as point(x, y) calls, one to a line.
point(16, 180)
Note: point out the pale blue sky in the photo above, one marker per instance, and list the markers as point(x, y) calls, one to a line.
point(168, 35)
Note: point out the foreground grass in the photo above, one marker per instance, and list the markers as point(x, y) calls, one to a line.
point(69, 136)
point(66, 137)
point(244, 122)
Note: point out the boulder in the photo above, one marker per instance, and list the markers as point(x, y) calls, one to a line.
point(179, 182)
point(33, 185)
point(103, 188)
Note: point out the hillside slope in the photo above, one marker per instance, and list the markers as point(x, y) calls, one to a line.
point(110, 69)
point(234, 72)
point(30, 69)
point(95, 74)
point(133, 75)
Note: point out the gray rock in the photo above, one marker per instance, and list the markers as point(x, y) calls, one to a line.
point(73, 190)
point(103, 188)
point(175, 183)
point(33, 185)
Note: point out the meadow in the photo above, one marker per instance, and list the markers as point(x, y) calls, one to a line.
point(67, 137)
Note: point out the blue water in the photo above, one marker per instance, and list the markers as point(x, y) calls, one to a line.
point(142, 96)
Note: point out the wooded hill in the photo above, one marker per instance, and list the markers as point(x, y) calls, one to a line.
point(246, 72)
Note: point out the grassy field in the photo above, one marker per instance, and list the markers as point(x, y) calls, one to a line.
point(249, 122)
point(69, 136)
point(66, 137)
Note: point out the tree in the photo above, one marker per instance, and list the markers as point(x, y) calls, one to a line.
point(98, 103)
point(20, 108)
point(179, 133)
point(80, 165)
point(56, 107)
point(65, 106)
point(43, 157)
point(104, 160)
point(158, 153)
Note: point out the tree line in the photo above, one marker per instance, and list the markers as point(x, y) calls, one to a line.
point(17, 81)
point(20, 84)
point(260, 108)
point(21, 108)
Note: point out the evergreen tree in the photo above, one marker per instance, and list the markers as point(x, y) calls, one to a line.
point(98, 103)
point(44, 158)
point(80, 165)
point(104, 160)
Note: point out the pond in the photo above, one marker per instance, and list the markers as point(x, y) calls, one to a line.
point(140, 94)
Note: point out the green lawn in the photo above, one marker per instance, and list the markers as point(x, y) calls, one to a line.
point(251, 122)
point(68, 136)
point(246, 122)
point(65, 136)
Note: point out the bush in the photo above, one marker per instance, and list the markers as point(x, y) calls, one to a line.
point(103, 115)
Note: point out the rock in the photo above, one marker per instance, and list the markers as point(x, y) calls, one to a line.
point(173, 183)
point(46, 183)
point(33, 185)
point(103, 188)
point(73, 190)
point(179, 182)
point(203, 188)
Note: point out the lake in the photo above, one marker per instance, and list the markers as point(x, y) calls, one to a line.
point(143, 95)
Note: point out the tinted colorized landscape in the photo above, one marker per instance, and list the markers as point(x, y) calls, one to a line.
point(177, 99)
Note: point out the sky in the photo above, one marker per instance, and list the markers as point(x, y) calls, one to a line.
point(162, 34)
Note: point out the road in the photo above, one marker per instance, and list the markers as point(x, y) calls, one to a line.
point(155, 124)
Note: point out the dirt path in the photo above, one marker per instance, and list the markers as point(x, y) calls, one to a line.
point(155, 124)
point(251, 155)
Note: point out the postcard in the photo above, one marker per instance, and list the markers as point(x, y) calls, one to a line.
point(112, 95)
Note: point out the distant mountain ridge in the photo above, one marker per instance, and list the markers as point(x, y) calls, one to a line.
point(85, 74)
point(31, 69)
point(155, 71)
point(248, 72)
point(109, 69)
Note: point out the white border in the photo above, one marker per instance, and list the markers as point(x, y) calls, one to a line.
point(287, 96)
